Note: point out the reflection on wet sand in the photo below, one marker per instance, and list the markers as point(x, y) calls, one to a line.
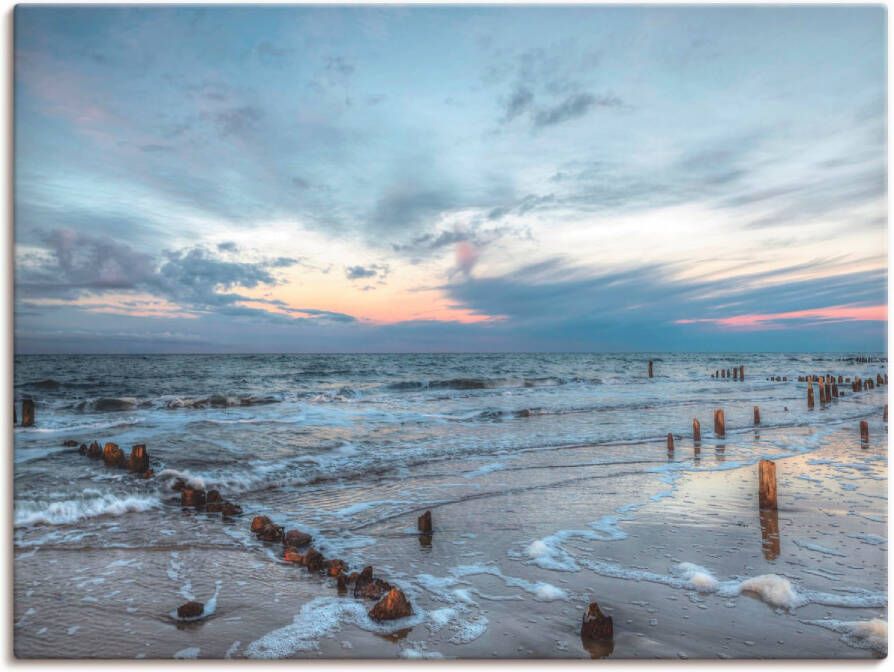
point(770, 533)
point(598, 648)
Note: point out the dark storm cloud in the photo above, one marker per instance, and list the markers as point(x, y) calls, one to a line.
point(364, 272)
point(573, 107)
point(554, 293)
point(520, 100)
point(76, 264)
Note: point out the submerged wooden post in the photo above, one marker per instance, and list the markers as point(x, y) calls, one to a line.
point(828, 391)
point(741, 372)
point(809, 395)
point(757, 415)
point(719, 424)
point(670, 443)
point(767, 487)
point(424, 523)
point(27, 412)
point(735, 373)
point(650, 368)
point(864, 431)
point(697, 430)
point(835, 390)
point(885, 416)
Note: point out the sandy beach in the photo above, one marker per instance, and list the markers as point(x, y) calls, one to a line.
point(673, 548)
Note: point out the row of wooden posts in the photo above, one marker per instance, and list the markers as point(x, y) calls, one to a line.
point(720, 428)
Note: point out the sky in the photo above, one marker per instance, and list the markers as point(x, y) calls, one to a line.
point(393, 179)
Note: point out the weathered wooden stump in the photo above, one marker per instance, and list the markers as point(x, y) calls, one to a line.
point(270, 532)
point(809, 395)
point(368, 586)
point(670, 443)
point(885, 416)
point(258, 523)
point(335, 567)
point(190, 610)
point(423, 523)
point(94, 451)
point(113, 456)
point(392, 606)
point(650, 368)
point(719, 424)
point(192, 497)
point(28, 412)
point(864, 431)
point(296, 538)
point(596, 625)
point(696, 431)
point(139, 459)
point(757, 415)
point(741, 372)
point(767, 487)
point(313, 560)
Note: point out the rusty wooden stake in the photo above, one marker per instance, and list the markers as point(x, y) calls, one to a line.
point(670, 443)
point(719, 424)
point(741, 372)
point(27, 412)
point(767, 488)
point(696, 431)
point(864, 431)
point(810, 396)
point(757, 415)
point(885, 416)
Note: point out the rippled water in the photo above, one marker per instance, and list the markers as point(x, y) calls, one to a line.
point(344, 442)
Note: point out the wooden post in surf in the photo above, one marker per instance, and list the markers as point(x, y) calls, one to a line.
point(650, 368)
point(719, 424)
point(757, 415)
point(809, 395)
point(885, 416)
point(767, 487)
point(27, 412)
point(670, 443)
point(423, 523)
point(697, 431)
point(864, 432)
point(735, 373)
point(741, 372)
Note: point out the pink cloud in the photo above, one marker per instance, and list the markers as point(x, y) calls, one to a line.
point(752, 321)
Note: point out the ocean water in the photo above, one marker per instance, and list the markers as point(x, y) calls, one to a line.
point(353, 447)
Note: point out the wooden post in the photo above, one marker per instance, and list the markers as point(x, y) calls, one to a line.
point(697, 430)
point(885, 416)
point(864, 431)
point(723, 373)
point(650, 368)
point(809, 395)
point(757, 415)
point(735, 373)
point(719, 424)
point(27, 412)
point(670, 443)
point(741, 372)
point(423, 523)
point(767, 488)
point(828, 391)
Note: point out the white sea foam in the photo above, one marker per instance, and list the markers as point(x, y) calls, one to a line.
point(69, 511)
point(320, 617)
point(775, 590)
point(872, 634)
point(819, 549)
point(189, 653)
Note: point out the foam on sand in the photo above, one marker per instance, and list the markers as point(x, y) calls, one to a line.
point(320, 617)
point(872, 634)
point(775, 590)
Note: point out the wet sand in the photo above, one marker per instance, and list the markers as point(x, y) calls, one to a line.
point(521, 546)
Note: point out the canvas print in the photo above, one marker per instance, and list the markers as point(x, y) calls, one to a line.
point(450, 332)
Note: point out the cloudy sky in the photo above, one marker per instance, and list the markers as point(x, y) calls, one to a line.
point(415, 179)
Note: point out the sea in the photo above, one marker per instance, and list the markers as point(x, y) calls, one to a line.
point(352, 448)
